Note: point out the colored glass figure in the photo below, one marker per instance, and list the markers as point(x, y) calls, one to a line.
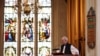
point(27, 51)
point(44, 51)
point(27, 20)
point(10, 21)
point(10, 51)
point(10, 30)
point(44, 30)
point(27, 33)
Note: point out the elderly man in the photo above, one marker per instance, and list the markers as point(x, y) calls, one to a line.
point(67, 48)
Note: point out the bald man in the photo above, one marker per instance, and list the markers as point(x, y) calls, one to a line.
point(67, 48)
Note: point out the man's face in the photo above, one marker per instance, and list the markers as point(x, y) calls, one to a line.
point(64, 41)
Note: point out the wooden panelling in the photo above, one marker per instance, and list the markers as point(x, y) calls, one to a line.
point(59, 21)
point(1, 26)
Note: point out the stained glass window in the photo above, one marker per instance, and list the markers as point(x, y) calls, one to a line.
point(33, 14)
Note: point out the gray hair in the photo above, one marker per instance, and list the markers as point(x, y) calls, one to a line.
point(64, 38)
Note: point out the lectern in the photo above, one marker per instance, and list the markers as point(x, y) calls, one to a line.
point(55, 53)
point(62, 55)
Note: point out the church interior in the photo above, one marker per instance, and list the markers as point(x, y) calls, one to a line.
point(36, 27)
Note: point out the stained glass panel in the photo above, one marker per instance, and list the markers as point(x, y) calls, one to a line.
point(10, 49)
point(44, 27)
point(44, 2)
point(45, 10)
point(44, 48)
point(27, 27)
point(27, 21)
point(27, 32)
point(10, 2)
point(10, 24)
point(10, 28)
point(27, 49)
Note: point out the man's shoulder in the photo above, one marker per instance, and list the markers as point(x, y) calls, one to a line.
point(69, 43)
point(66, 44)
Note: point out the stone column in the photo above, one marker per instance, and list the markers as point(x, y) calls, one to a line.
point(98, 28)
point(89, 51)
